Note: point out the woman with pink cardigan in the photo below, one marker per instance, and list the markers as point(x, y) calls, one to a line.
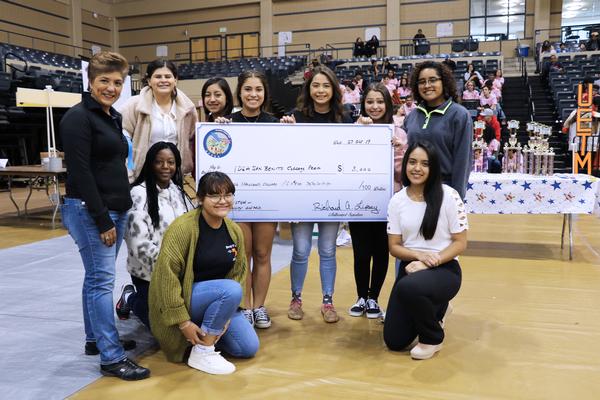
point(369, 239)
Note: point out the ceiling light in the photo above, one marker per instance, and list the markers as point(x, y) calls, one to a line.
point(574, 6)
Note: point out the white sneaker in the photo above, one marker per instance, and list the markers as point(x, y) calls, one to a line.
point(424, 351)
point(208, 360)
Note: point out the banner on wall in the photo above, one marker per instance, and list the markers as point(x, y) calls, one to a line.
point(445, 29)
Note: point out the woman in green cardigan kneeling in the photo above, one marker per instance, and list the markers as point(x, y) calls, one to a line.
point(196, 286)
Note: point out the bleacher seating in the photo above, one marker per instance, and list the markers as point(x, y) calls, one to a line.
point(39, 56)
point(279, 66)
point(563, 86)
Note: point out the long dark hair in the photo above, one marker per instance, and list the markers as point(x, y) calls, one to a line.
point(306, 104)
point(148, 176)
point(161, 63)
point(265, 106)
point(433, 191)
point(388, 117)
point(228, 96)
point(448, 82)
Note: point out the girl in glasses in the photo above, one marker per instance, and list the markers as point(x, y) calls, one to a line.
point(439, 119)
point(197, 284)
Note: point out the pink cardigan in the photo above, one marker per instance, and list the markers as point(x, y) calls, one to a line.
point(398, 137)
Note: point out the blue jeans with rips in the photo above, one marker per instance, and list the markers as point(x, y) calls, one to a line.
point(215, 302)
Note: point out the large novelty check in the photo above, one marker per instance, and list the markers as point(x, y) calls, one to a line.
point(301, 172)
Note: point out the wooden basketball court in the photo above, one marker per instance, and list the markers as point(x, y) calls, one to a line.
point(525, 326)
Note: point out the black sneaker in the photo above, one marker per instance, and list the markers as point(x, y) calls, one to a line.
point(91, 349)
point(359, 308)
point(122, 308)
point(127, 370)
point(373, 309)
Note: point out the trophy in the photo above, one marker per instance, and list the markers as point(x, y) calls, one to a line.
point(513, 153)
point(480, 163)
point(539, 156)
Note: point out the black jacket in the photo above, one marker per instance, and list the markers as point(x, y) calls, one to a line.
point(96, 152)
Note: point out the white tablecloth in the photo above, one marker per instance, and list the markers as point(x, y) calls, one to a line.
point(531, 194)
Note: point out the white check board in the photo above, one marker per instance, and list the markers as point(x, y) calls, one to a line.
point(301, 172)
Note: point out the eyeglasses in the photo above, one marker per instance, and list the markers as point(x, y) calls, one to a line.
point(430, 81)
point(215, 198)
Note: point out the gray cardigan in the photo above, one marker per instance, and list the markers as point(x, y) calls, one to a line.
point(450, 129)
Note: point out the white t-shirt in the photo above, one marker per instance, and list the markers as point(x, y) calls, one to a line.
point(163, 126)
point(405, 217)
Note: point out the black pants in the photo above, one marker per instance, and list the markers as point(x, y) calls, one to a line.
point(417, 304)
point(369, 241)
point(139, 300)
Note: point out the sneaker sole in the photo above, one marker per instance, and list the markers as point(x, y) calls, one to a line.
point(262, 325)
point(295, 317)
point(137, 378)
point(426, 356)
point(373, 316)
point(355, 313)
point(209, 371)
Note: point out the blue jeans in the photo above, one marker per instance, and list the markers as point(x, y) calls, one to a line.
point(99, 281)
point(214, 303)
point(302, 243)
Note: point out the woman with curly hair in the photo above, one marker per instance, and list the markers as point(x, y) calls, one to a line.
point(439, 119)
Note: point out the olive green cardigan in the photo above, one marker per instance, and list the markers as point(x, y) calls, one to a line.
point(171, 284)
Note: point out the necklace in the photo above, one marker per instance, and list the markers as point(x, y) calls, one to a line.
point(415, 196)
point(250, 121)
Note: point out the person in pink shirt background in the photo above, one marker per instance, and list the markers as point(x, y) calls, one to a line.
point(390, 86)
point(351, 94)
point(470, 93)
point(487, 98)
point(404, 88)
point(409, 105)
point(391, 74)
point(498, 79)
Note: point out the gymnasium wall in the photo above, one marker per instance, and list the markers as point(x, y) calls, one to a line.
point(139, 35)
point(96, 29)
point(321, 22)
point(40, 19)
point(141, 25)
point(555, 18)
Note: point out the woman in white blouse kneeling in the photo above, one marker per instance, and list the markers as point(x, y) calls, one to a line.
point(427, 230)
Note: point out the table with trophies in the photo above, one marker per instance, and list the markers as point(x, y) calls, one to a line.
point(528, 184)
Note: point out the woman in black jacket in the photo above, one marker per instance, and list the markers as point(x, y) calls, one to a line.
point(95, 208)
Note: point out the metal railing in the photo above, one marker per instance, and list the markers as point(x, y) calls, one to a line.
point(302, 49)
point(525, 77)
point(407, 45)
point(76, 50)
point(565, 31)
